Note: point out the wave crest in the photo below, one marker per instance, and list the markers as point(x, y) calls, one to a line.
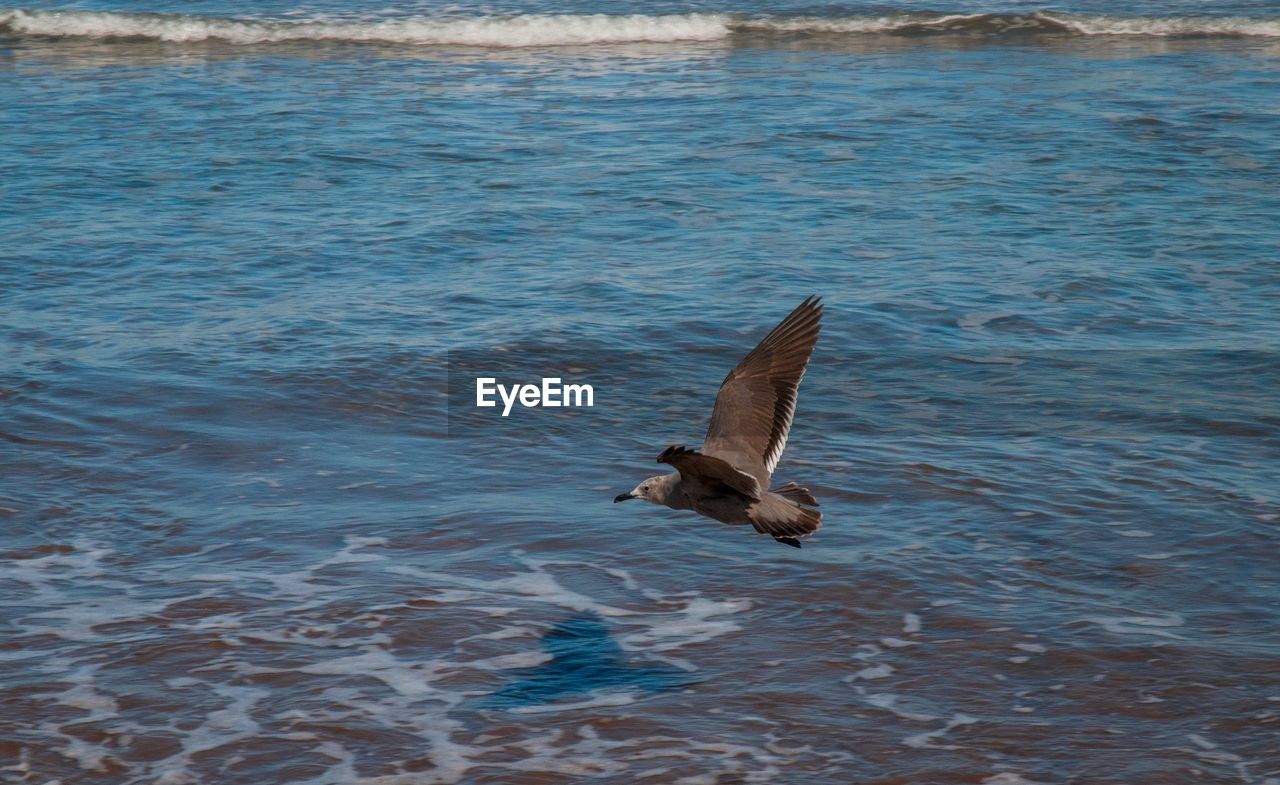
point(537, 30)
point(486, 31)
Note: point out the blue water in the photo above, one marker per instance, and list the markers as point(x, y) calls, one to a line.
point(252, 531)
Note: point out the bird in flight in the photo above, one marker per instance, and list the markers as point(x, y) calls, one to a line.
point(728, 480)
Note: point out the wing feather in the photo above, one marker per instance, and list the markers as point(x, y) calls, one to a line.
point(710, 474)
point(757, 400)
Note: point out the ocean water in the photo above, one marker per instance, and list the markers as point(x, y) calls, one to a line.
point(254, 252)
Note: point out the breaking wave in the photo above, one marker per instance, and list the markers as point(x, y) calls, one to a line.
point(570, 29)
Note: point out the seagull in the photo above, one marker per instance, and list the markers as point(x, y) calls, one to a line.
point(728, 480)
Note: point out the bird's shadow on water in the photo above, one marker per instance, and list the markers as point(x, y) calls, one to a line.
point(585, 659)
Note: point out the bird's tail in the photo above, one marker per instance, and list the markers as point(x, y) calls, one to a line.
point(797, 494)
point(780, 515)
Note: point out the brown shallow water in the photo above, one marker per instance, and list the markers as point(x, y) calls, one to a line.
point(978, 609)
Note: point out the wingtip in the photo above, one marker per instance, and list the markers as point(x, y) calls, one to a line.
point(808, 312)
point(673, 451)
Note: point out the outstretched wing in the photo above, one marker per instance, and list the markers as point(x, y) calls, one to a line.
point(709, 475)
point(757, 400)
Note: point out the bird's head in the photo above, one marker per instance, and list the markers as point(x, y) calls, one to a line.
point(651, 490)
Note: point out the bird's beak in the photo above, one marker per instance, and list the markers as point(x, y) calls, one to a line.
point(622, 497)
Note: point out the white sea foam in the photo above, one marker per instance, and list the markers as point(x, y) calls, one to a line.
point(695, 623)
point(348, 554)
point(523, 659)
point(893, 703)
point(1009, 778)
point(411, 680)
point(1168, 26)
point(926, 740)
point(489, 31)
point(692, 620)
point(1139, 625)
point(544, 30)
point(87, 755)
point(605, 699)
point(876, 672)
point(85, 696)
point(350, 667)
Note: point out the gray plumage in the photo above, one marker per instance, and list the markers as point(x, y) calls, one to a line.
point(728, 480)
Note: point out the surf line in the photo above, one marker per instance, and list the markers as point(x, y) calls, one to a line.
point(552, 392)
